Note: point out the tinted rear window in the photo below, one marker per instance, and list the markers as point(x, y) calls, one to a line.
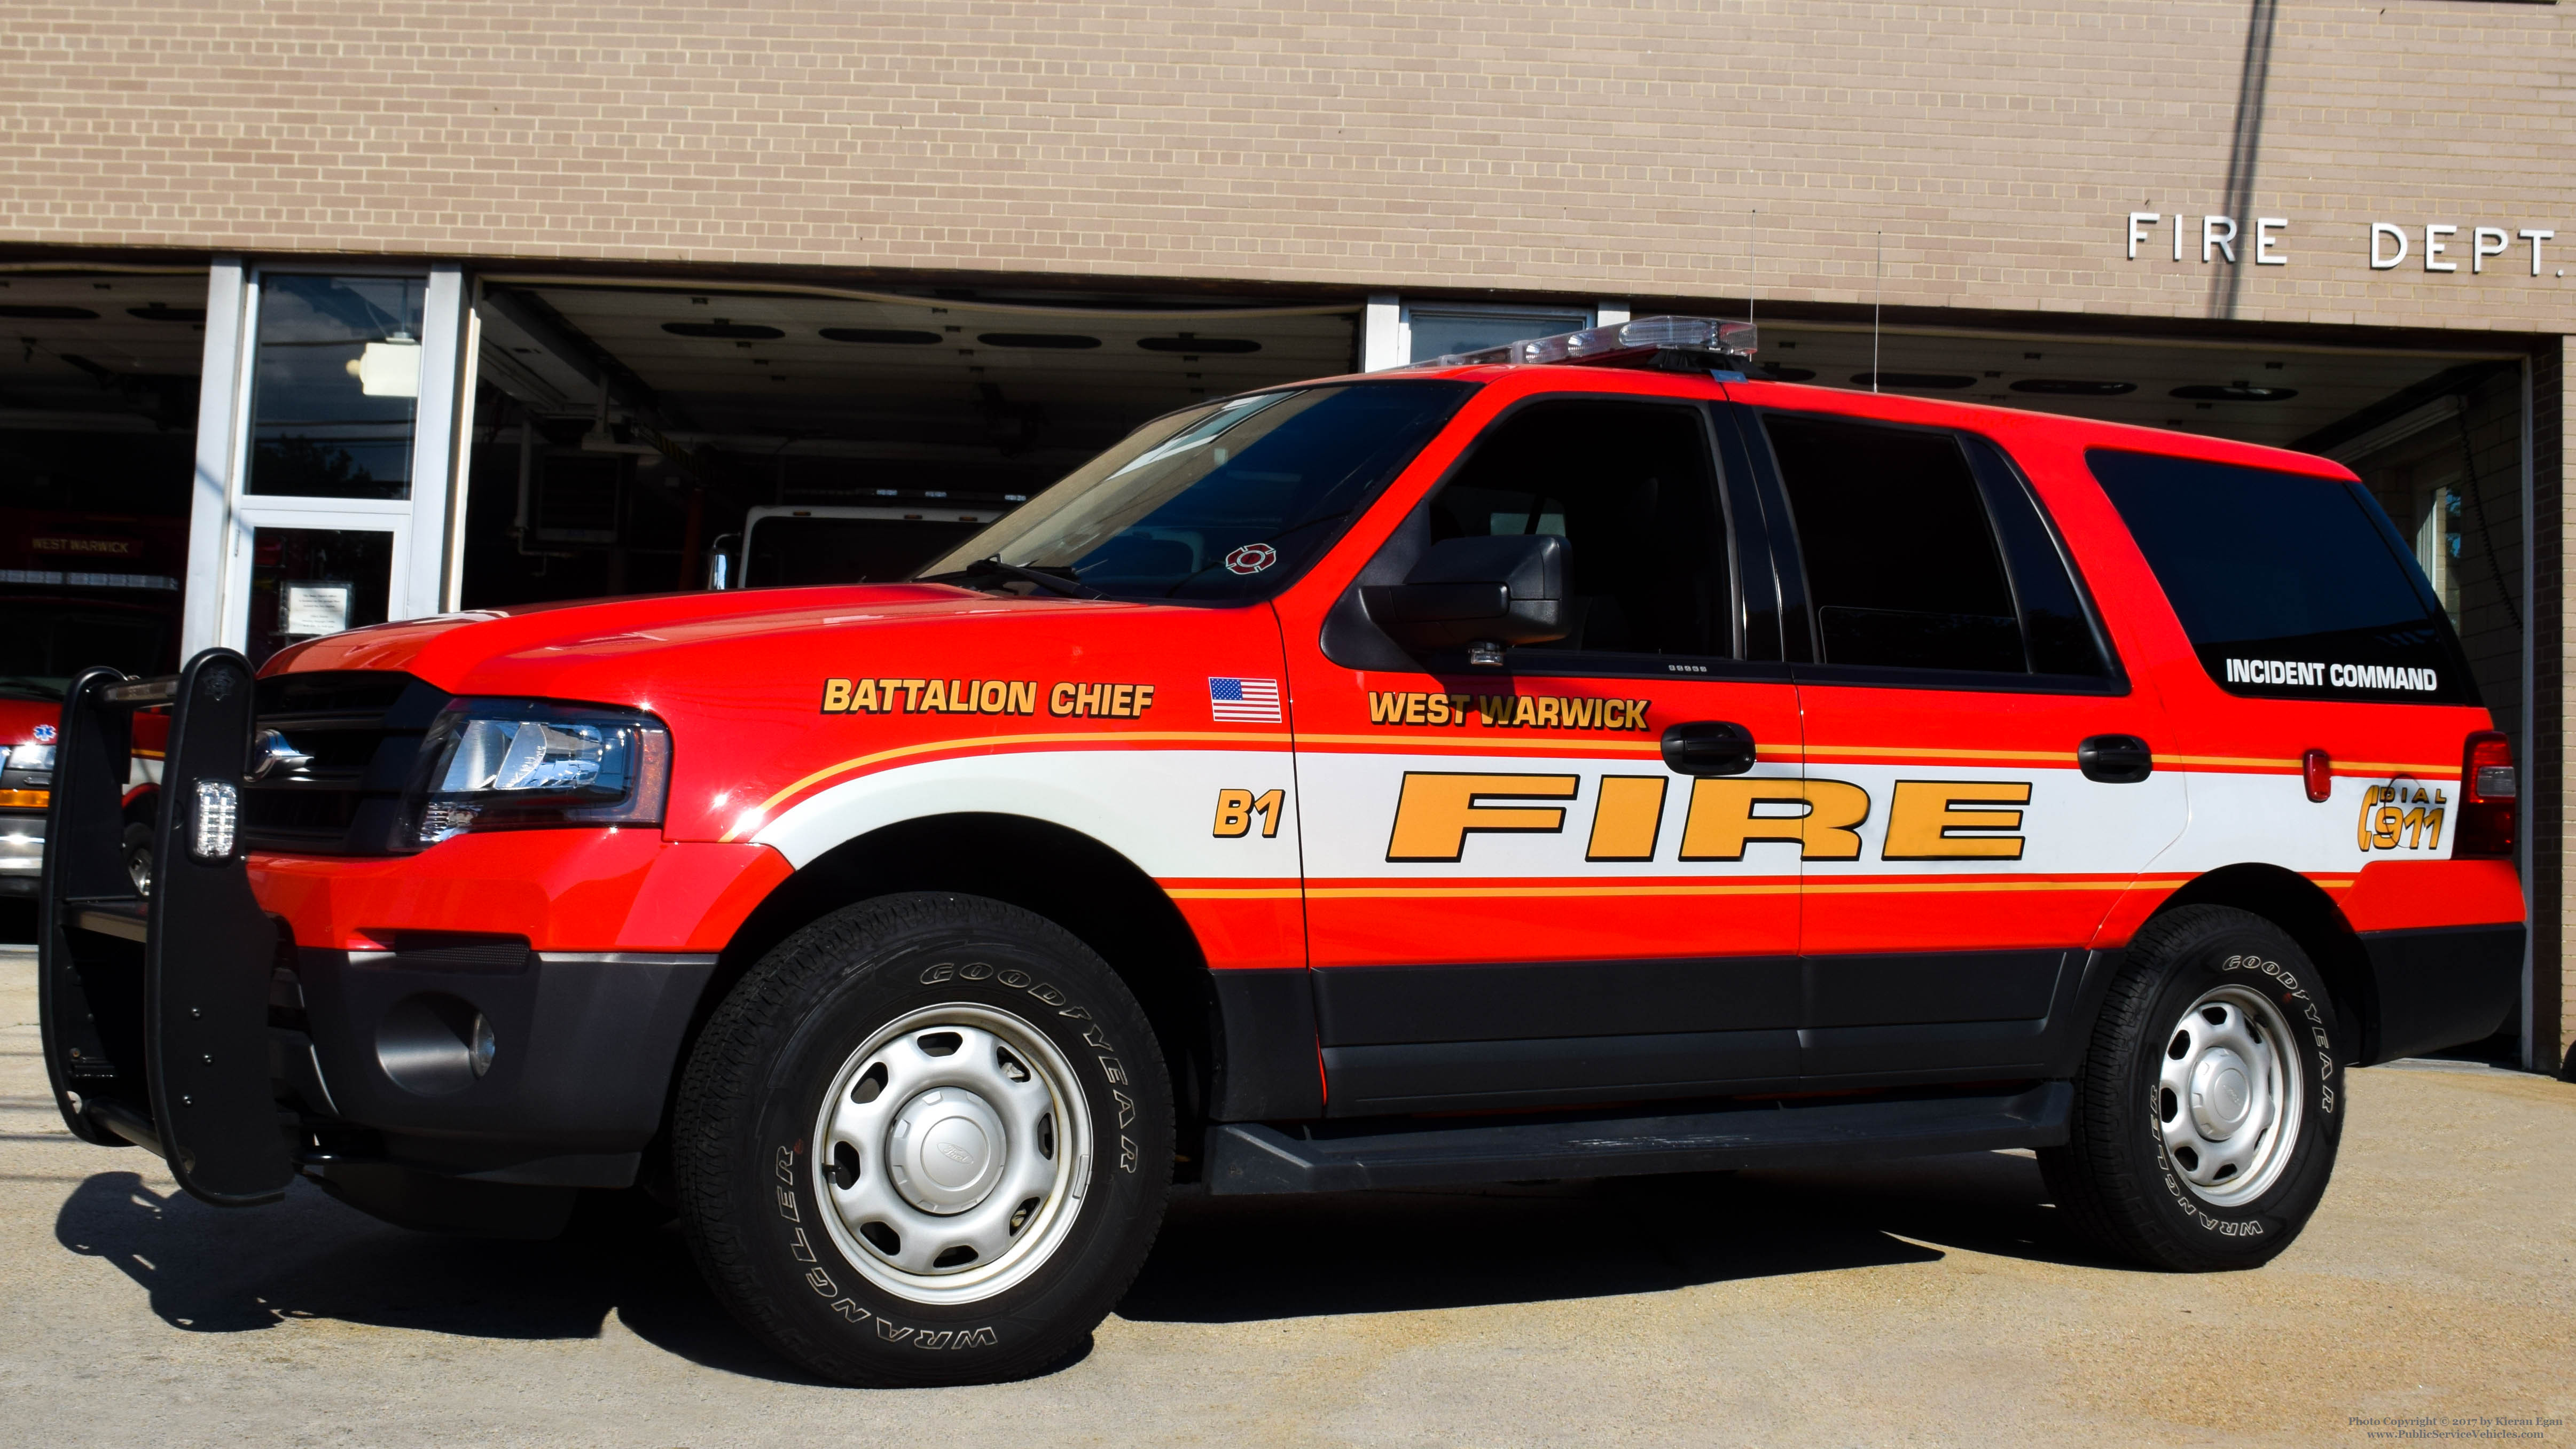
point(2290, 587)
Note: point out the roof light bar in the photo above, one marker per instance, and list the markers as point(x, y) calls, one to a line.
point(1674, 343)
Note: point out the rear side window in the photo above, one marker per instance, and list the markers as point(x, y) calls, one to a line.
point(1923, 551)
point(2290, 587)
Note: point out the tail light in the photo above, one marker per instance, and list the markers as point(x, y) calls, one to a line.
point(2316, 768)
point(2488, 792)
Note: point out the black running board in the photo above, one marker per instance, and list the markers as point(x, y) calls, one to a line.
point(1252, 1157)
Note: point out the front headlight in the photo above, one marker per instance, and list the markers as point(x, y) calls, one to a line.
point(26, 757)
point(517, 764)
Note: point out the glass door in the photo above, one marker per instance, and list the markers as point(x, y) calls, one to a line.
point(343, 454)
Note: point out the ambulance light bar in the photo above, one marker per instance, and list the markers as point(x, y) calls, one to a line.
point(1664, 343)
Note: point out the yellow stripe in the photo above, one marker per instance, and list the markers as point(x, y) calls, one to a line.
point(2062, 757)
point(1350, 893)
point(2067, 758)
point(1497, 744)
point(1394, 891)
point(1941, 887)
point(1094, 737)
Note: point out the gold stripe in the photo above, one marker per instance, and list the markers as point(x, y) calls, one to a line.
point(2066, 759)
point(1346, 893)
point(1497, 744)
point(1441, 892)
point(2062, 757)
point(1939, 887)
point(1095, 737)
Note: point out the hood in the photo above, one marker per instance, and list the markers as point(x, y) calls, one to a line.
point(610, 651)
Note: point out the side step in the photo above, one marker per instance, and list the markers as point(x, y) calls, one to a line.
point(1252, 1157)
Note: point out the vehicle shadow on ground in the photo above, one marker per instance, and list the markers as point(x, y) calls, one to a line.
point(215, 1270)
point(1227, 1260)
point(212, 1270)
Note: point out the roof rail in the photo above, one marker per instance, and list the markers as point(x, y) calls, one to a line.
point(1663, 344)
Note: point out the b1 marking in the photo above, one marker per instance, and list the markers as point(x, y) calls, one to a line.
point(1235, 809)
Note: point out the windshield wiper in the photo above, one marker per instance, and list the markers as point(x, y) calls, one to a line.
point(21, 684)
point(1059, 581)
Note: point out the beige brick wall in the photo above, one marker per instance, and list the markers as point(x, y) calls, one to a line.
point(1600, 147)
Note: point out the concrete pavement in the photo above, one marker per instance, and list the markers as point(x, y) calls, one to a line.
point(1931, 1302)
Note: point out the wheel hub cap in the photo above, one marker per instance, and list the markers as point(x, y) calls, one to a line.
point(951, 1153)
point(2222, 1094)
point(946, 1150)
point(2229, 1100)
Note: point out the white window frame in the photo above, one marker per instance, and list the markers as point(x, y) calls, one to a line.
point(428, 527)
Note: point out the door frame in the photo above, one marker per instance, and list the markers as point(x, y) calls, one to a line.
point(428, 527)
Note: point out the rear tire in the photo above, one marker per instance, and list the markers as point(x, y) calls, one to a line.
point(925, 1141)
point(2209, 1108)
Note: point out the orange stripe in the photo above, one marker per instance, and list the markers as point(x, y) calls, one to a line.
point(1917, 886)
point(1498, 744)
point(2064, 758)
point(1086, 737)
point(1440, 892)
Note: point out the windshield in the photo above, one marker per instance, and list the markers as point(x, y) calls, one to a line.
point(1227, 501)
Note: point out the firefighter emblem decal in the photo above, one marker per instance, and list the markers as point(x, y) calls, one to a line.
point(1252, 558)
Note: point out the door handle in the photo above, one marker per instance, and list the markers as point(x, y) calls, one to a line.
point(2115, 759)
point(1708, 747)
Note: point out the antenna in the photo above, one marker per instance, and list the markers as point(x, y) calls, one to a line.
point(1752, 265)
point(1877, 296)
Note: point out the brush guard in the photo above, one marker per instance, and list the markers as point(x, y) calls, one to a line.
point(155, 1012)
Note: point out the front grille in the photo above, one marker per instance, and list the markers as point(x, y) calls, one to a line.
point(363, 730)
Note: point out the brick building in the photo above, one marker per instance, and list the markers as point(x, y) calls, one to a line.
point(330, 312)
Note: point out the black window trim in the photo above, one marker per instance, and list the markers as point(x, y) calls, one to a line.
point(1349, 638)
point(1991, 472)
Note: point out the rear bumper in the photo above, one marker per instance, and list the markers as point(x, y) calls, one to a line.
point(2442, 987)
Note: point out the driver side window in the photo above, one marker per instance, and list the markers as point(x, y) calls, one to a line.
point(1632, 489)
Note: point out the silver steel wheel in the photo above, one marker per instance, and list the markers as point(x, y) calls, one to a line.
point(2229, 1099)
point(952, 1153)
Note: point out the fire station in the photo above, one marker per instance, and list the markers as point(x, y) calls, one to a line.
point(322, 318)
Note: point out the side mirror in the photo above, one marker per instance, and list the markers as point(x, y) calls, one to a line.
point(1477, 593)
point(720, 562)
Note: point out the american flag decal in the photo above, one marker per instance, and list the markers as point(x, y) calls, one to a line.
point(1245, 701)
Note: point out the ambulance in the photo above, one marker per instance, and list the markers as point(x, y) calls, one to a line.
point(1563, 761)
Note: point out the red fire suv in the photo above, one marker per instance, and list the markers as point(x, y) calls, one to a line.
point(1564, 761)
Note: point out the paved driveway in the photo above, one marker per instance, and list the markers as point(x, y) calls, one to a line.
point(1928, 1302)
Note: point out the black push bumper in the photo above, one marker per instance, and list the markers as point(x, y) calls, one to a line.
point(2440, 988)
point(156, 1020)
point(450, 1081)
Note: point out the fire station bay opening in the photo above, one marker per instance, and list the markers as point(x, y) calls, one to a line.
point(2436, 435)
point(99, 382)
point(637, 436)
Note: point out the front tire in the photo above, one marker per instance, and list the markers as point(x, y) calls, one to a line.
point(2209, 1110)
point(925, 1141)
